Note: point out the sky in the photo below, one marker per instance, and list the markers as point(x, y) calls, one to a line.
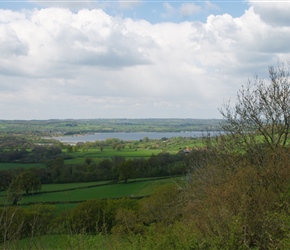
point(135, 58)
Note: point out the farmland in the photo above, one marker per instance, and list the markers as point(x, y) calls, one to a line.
point(71, 174)
point(108, 175)
point(73, 193)
point(167, 193)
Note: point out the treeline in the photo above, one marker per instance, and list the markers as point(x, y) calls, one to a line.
point(82, 126)
point(118, 168)
point(15, 149)
point(114, 168)
point(18, 149)
point(35, 155)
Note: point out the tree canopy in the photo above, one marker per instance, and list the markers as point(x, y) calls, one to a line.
point(262, 111)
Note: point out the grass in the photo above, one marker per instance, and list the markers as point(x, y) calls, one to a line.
point(88, 191)
point(141, 149)
point(97, 155)
point(56, 187)
point(131, 189)
point(64, 186)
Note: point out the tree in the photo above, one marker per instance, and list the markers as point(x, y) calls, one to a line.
point(88, 160)
point(6, 177)
point(240, 187)
point(165, 205)
point(126, 170)
point(69, 148)
point(104, 169)
point(26, 181)
point(262, 111)
point(146, 139)
point(55, 167)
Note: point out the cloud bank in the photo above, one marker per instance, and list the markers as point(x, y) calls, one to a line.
point(56, 63)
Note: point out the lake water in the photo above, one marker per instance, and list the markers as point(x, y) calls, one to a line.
point(133, 136)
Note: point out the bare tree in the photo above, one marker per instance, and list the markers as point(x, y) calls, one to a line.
point(262, 111)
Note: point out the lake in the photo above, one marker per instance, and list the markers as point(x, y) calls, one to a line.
point(132, 136)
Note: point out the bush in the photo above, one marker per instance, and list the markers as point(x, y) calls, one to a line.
point(242, 205)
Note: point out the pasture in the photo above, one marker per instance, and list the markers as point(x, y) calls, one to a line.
point(133, 150)
point(98, 155)
point(78, 192)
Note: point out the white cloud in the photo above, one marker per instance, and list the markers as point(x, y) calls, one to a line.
point(211, 6)
point(273, 12)
point(188, 9)
point(169, 10)
point(70, 4)
point(129, 4)
point(76, 5)
point(55, 63)
point(10, 45)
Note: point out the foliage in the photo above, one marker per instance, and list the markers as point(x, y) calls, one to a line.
point(164, 206)
point(262, 111)
point(6, 178)
point(78, 192)
point(96, 215)
point(232, 206)
point(126, 170)
point(239, 193)
point(26, 181)
point(17, 223)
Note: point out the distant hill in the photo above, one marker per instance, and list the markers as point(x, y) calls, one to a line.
point(82, 126)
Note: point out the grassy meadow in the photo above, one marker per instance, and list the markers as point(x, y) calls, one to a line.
point(98, 155)
point(78, 192)
point(67, 193)
point(133, 150)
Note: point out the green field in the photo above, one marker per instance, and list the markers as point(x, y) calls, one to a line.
point(97, 155)
point(65, 186)
point(78, 192)
point(142, 150)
